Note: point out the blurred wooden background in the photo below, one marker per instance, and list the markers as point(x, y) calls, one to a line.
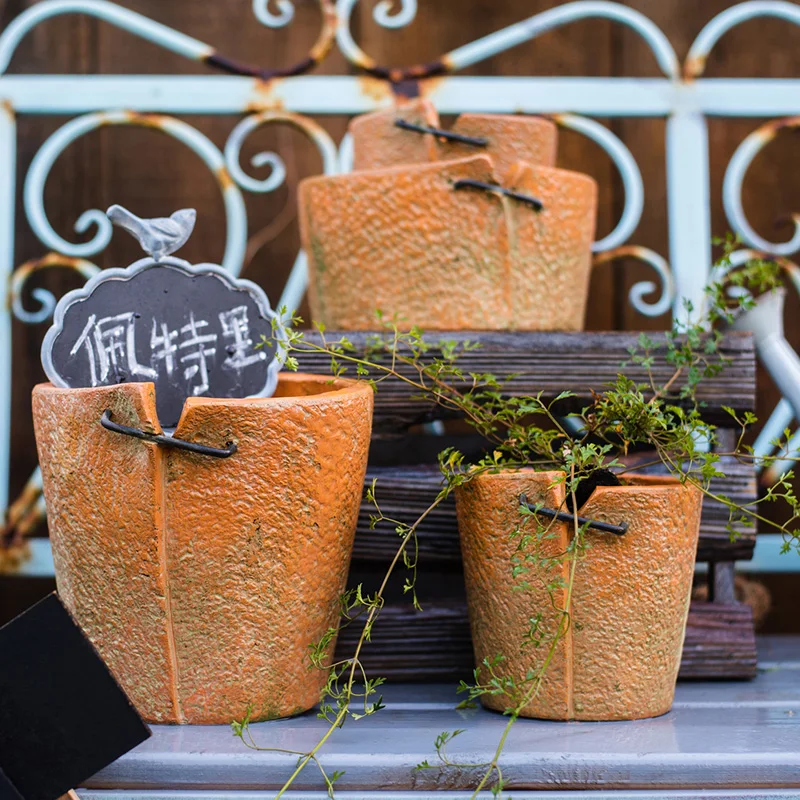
point(153, 175)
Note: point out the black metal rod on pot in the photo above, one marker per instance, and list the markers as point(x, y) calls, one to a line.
point(564, 516)
point(442, 134)
point(495, 188)
point(166, 441)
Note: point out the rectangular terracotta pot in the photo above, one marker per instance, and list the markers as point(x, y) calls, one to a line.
point(203, 581)
point(408, 242)
point(620, 656)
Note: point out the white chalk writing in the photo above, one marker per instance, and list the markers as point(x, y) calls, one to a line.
point(110, 344)
point(236, 326)
point(184, 353)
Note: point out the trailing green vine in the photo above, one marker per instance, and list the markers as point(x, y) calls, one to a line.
point(527, 431)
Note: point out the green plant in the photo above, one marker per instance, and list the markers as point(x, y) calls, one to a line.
point(527, 431)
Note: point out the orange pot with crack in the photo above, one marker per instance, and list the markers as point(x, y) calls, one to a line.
point(204, 581)
point(431, 245)
point(620, 655)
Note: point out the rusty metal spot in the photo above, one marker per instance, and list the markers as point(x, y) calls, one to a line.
point(771, 129)
point(625, 251)
point(155, 121)
point(431, 85)
point(13, 554)
point(694, 66)
point(264, 96)
point(223, 178)
point(418, 72)
point(319, 51)
point(375, 89)
point(235, 68)
point(23, 515)
point(23, 273)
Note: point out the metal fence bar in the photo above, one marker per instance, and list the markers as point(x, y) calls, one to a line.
point(682, 97)
point(8, 182)
point(688, 208)
point(345, 94)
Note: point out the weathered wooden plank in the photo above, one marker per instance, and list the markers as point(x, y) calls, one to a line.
point(551, 363)
point(720, 642)
point(434, 644)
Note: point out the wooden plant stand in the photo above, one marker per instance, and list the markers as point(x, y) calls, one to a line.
point(435, 644)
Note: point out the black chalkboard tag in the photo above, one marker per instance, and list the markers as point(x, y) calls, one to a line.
point(192, 330)
point(63, 716)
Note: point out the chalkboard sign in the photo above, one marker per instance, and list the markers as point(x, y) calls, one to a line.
point(63, 717)
point(191, 330)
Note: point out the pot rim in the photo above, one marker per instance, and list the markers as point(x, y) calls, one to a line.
point(558, 172)
point(340, 390)
point(633, 483)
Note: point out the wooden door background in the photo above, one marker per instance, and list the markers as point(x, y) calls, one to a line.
point(154, 175)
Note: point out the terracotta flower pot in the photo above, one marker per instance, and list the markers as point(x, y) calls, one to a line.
point(379, 143)
point(203, 581)
point(405, 241)
point(620, 656)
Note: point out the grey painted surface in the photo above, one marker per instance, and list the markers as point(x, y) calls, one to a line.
point(779, 650)
point(723, 794)
point(718, 735)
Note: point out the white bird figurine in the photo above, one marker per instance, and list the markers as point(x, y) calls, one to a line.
point(158, 237)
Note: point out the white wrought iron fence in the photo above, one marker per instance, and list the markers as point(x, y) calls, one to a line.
point(681, 96)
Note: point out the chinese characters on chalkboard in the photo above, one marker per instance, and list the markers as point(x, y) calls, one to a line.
point(192, 330)
point(112, 346)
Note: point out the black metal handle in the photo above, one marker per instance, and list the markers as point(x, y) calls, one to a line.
point(563, 516)
point(495, 188)
point(450, 135)
point(166, 441)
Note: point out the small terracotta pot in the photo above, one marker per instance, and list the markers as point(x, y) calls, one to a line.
point(203, 581)
point(405, 241)
point(379, 143)
point(620, 656)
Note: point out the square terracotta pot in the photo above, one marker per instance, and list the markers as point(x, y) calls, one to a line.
point(203, 581)
point(620, 656)
point(408, 242)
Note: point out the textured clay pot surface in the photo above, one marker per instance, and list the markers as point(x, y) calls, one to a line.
point(379, 143)
point(203, 581)
point(620, 657)
point(404, 241)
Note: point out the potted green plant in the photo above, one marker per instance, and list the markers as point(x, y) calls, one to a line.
point(620, 593)
point(578, 567)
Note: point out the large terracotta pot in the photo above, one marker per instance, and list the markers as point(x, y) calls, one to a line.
point(404, 240)
point(203, 581)
point(620, 656)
